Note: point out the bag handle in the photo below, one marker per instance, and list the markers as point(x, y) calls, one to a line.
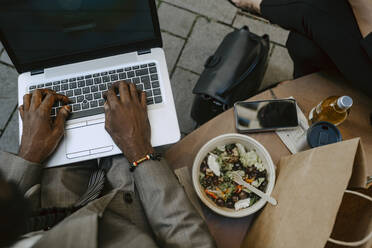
point(360, 242)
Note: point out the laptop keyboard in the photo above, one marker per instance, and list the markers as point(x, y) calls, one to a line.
point(86, 92)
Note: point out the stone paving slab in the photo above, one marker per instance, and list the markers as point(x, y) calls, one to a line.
point(1, 47)
point(175, 20)
point(5, 58)
point(9, 139)
point(8, 93)
point(220, 10)
point(280, 67)
point(182, 84)
point(276, 33)
point(203, 42)
point(7, 107)
point(172, 46)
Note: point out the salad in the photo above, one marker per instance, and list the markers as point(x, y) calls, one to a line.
point(216, 179)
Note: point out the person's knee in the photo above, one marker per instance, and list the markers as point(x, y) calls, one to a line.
point(299, 47)
point(303, 50)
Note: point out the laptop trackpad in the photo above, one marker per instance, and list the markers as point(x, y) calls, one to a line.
point(87, 140)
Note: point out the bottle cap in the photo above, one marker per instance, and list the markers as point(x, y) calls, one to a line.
point(323, 133)
point(345, 102)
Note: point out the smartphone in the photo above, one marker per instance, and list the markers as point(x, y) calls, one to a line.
point(267, 115)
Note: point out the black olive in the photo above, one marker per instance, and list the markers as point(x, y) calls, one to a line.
point(220, 202)
point(261, 174)
point(230, 204)
point(262, 188)
point(208, 181)
point(243, 195)
point(215, 180)
point(235, 198)
point(237, 166)
point(203, 168)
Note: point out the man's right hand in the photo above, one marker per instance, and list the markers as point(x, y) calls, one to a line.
point(127, 121)
point(41, 135)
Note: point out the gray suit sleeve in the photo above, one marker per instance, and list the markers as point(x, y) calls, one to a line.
point(171, 215)
point(25, 174)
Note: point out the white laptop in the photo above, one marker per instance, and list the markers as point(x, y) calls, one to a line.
point(79, 48)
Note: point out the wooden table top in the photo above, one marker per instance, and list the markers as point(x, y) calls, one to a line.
point(308, 91)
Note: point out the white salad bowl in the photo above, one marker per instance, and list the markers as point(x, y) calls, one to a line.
point(249, 143)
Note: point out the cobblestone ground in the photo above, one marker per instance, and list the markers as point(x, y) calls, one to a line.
point(191, 30)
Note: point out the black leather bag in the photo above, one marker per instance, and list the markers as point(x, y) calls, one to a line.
point(232, 74)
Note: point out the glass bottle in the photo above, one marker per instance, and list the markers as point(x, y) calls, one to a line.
point(334, 109)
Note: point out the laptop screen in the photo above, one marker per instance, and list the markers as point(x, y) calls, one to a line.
point(45, 30)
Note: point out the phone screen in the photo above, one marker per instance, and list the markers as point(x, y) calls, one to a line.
point(266, 115)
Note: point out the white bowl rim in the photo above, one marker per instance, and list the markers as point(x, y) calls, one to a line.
point(243, 212)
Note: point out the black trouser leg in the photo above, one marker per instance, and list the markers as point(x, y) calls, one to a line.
point(331, 25)
point(306, 55)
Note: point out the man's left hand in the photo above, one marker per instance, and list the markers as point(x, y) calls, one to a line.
point(41, 135)
point(127, 121)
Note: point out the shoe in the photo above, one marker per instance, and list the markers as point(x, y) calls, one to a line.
point(248, 10)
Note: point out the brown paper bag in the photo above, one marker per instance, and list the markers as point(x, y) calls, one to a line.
point(310, 189)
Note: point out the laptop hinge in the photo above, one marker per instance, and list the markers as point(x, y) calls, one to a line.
point(142, 52)
point(36, 72)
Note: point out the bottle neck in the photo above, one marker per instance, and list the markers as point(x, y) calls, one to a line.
point(339, 108)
